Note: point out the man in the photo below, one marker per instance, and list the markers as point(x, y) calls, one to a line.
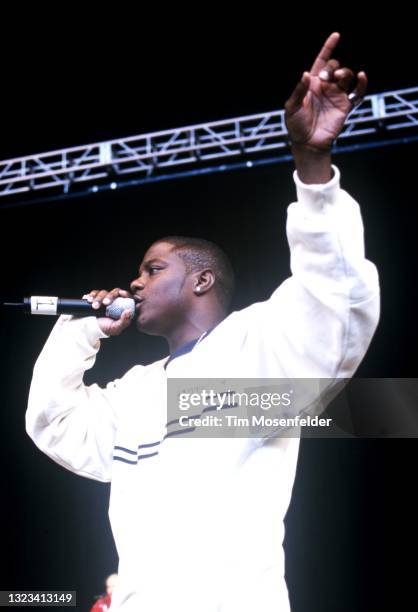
point(198, 523)
point(103, 602)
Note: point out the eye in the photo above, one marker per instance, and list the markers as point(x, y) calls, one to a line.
point(153, 269)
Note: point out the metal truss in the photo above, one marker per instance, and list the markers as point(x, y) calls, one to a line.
point(161, 154)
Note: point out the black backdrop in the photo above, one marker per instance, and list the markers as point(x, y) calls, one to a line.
point(351, 524)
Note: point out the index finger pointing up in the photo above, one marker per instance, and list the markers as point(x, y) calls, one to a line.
point(325, 53)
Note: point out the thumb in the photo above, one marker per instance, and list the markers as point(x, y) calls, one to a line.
point(118, 326)
point(126, 319)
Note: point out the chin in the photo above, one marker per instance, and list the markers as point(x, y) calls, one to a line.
point(145, 326)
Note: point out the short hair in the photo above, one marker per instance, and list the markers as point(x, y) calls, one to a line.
point(198, 254)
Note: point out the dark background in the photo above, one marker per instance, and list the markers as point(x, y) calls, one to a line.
point(351, 524)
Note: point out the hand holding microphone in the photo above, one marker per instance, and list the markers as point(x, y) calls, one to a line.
point(99, 298)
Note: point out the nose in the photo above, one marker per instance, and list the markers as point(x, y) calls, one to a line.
point(137, 284)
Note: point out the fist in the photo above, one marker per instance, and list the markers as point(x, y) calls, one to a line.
point(102, 297)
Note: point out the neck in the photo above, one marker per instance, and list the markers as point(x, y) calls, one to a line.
point(193, 329)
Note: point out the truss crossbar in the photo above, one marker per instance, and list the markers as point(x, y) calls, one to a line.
point(247, 137)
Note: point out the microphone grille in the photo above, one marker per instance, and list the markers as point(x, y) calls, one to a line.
point(116, 308)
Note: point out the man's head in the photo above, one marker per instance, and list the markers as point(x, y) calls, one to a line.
point(111, 583)
point(179, 278)
point(198, 255)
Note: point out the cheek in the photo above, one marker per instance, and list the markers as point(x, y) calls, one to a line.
point(166, 295)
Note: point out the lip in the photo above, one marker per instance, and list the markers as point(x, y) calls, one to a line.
point(138, 303)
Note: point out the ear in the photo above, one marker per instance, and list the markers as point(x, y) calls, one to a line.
point(203, 281)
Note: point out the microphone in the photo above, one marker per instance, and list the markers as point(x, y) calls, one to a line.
point(46, 305)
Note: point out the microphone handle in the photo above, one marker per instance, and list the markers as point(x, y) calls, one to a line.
point(47, 305)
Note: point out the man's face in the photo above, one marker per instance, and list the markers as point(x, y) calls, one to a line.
point(111, 583)
point(164, 290)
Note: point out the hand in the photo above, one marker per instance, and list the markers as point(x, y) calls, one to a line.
point(318, 107)
point(102, 297)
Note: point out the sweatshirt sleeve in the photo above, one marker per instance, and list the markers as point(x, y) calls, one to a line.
point(320, 321)
point(74, 424)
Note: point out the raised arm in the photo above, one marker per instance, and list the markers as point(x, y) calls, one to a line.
point(320, 321)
